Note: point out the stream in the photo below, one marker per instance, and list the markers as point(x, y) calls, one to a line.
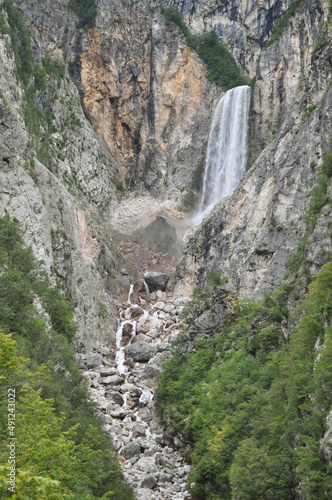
point(122, 382)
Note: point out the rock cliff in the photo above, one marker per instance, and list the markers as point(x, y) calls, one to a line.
point(132, 106)
point(250, 235)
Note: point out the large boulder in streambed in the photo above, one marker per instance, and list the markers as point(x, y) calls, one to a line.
point(93, 359)
point(140, 351)
point(156, 281)
point(132, 449)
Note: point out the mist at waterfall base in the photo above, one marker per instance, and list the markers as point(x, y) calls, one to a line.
point(227, 150)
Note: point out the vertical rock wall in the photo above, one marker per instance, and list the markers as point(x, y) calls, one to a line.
point(250, 236)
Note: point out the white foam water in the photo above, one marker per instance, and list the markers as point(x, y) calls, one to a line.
point(227, 150)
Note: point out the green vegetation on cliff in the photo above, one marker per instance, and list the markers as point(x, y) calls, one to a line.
point(282, 23)
point(221, 67)
point(61, 449)
point(86, 11)
point(253, 401)
point(38, 81)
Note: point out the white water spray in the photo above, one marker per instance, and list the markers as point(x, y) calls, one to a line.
point(227, 150)
point(131, 289)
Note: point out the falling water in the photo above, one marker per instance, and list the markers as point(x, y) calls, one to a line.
point(227, 150)
point(131, 289)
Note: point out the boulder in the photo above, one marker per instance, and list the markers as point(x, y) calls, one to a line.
point(149, 482)
point(107, 372)
point(165, 478)
point(150, 372)
point(141, 336)
point(136, 311)
point(138, 430)
point(208, 322)
point(149, 323)
point(103, 417)
point(145, 414)
point(156, 281)
point(131, 449)
point(113, 380)
point(160, 306)
point(115, 396)
point(118, 413)
point(160, 359)
point(79, 359)
point(127, 388)
point(93, 359)
point(105, 351)
point(140, 351)
point(145, 494)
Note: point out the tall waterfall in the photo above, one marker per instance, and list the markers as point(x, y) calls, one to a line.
point(227, 150)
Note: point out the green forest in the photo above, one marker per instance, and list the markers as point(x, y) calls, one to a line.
point(62, 451)
point(252, 402)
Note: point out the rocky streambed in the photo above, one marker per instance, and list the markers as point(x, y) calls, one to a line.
point(122, 380)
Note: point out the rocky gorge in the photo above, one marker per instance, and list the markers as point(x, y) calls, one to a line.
point(123, 389)
point(104, 128)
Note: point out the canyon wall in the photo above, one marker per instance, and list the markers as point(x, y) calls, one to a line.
point(131, 117)
point(249, 236)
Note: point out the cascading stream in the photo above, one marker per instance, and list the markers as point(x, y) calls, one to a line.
point(227, 151)
point(124, 388)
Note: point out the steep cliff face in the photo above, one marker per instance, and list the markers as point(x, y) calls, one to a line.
point(244, 25)
point(133, 110)
point(151, 105)
point(148, 96)
point(145, 91)
point(61, 225)
point(249, 236)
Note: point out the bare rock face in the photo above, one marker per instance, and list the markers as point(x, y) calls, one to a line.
point(149, 107)
point(249, 236)
point(208, 322)
point(148, 96)
point(93, 360)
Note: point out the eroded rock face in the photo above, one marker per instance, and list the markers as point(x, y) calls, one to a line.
point(150, 105)
point(249, 236)
point(153, 104)
point(156, 281)
point(60, 230)
point(244, 25)
point(140, 351)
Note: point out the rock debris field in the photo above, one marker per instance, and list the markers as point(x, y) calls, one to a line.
point(122, 381)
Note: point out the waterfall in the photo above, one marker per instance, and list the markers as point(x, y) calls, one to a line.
point(227, 150)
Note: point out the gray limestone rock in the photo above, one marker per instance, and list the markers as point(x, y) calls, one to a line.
point(140, 351)
point(113, 380)
point(149, 482)
point(93, 359)
point(138, 430)
point(131, 449)
point(208, 322)
point(115, 396)
point(136, 311)
point(150, 372)
point(165, 478)
point(156, 281)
